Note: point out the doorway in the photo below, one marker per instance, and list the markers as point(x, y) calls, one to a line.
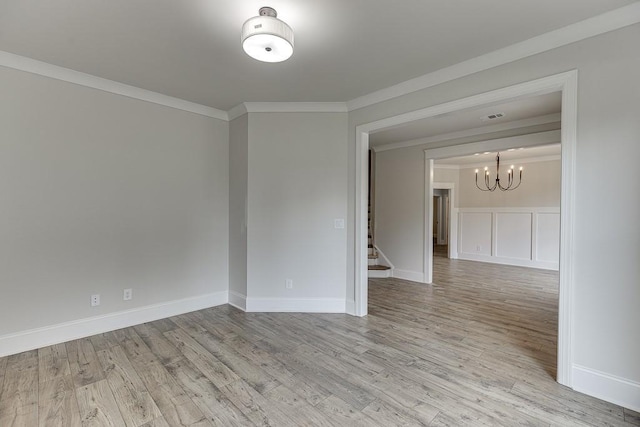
point(445, 222)
point(566, 83)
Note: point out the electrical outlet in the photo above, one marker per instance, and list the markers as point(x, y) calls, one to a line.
point(95, 300)
point(127, 294)
point(288, 284)
point(478, 248)
point(338, 223)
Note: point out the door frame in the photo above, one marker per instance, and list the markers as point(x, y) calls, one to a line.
point(451, 217)
point(567, 83)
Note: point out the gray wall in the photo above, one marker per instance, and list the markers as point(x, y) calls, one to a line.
point(238, 184)
point(400, 207)
point(297, 187)
point(99, 192)
point(607, 240)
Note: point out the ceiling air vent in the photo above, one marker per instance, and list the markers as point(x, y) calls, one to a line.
point(492, 116)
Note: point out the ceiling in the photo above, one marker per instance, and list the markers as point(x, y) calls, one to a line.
point(190, 49)
point(507, 156)
point(442, 126)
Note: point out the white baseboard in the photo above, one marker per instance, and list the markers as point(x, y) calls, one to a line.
point(67, 331)
point(378, 274)
point(607, 387)
point(296, 305)
point(350, 307)
point(508, 261)
point(414, 276)
point(238, 300)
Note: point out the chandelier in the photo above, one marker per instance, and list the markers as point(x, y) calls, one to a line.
point(510, 178)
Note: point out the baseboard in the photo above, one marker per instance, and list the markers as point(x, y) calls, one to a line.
point(379, 274)
point(296, 305)
point(238, 300)
point(350, 307)
point(509, 261)
point(67, 331)
point(414, 276)
point(607, 387)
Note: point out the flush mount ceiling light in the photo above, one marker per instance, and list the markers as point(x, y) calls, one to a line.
point(266, 38)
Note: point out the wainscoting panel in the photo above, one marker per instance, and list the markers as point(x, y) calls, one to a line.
point(510, 225)
point(474, 235)
point(548, 236)
point(528, 237)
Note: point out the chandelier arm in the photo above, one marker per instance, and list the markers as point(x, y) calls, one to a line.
point(495, 184)
point(481, 189)
point(509, 182)
point(519, 181)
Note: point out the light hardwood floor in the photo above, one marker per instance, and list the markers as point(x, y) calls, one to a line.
point(476, 348)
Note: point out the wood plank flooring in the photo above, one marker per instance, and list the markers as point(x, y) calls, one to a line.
point(477, 348)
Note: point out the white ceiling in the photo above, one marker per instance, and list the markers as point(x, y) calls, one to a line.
point(190, 49)
point(473, 118)
point(507, 157)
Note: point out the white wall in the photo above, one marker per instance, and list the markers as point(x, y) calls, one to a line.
point(400, 210)
point(528, 237)
point(296, 188)
point(522, 226)
point(540, 187)
point(238, 186)
point(446, 175)
point(98, 193)
point(607, 241)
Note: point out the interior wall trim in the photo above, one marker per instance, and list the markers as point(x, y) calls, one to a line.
point(604, 23)
point(493, 252)
point(67, 331)
point(296, 107)
point(483, 130)
point(350, 307)
point(414, 276)
point(33, 66)
point(296, 305)
point(238, 300)
point(607, 387)
point(286, 107)
point(491, 162)
point(567, 84)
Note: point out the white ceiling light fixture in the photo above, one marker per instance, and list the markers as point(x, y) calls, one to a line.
point(266, 38)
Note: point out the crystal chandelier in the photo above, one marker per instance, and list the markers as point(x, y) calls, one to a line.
point(510, 178)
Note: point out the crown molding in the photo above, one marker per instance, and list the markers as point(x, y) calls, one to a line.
point(17, 62)
point(237, 111)
point(286, 107)
point(483, 130)
point(604, 23)
point(609, 21)
point(446, 166)
point(522, 161)
point(296, 107)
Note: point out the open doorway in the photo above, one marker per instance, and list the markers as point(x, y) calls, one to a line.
point(566, 84)
point(441, 222)
point(445, 224)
